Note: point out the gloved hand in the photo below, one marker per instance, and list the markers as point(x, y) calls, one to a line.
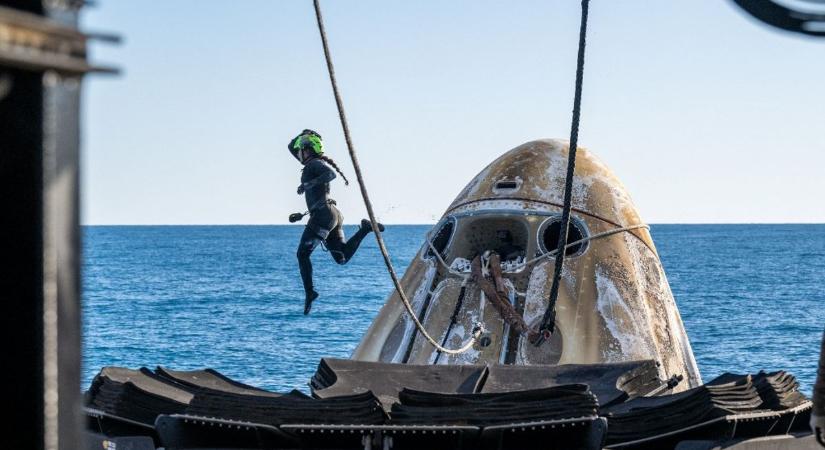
point(301, 189)
point(818, 427)
point(294, 217)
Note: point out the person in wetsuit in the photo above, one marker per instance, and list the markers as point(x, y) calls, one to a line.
point(325, 220)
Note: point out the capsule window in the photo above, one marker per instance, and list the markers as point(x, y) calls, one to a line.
point(549, 236)
point(507, 185)
point(441, 238)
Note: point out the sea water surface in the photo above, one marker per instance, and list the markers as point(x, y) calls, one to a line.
point(752, 297)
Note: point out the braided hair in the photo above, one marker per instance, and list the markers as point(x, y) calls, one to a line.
point(329, 161)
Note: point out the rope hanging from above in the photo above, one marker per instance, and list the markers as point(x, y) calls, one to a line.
point(548, 322)
point(331, 69)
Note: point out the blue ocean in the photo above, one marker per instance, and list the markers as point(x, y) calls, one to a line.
point(229, 297)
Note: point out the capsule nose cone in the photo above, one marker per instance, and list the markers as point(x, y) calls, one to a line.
point(537, 170)
point(614, 303)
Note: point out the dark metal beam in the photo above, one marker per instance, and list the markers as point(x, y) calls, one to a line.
point(33, 42)
point(21, 241)
point(42, 60)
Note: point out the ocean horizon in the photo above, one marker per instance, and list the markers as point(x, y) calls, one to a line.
point(229, 297)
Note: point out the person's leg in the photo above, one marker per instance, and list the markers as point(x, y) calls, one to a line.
point(354, 242)
point(335, 244)
point(339, 247)
point(342, 249)
point(309, 240)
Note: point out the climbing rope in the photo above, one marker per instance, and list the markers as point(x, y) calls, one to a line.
point(331, 69)
point(548, 323)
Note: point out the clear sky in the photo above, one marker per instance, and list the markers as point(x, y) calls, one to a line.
point(706, 115)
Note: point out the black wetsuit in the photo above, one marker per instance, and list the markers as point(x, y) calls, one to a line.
point(325, 222)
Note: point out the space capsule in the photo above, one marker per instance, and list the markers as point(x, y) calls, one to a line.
point(614, 303)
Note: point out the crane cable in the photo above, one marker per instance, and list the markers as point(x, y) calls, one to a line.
point(548, 322)
point(478, 329)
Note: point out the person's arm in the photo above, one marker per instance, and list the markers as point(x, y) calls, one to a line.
point(320, 172)
point(325, 177)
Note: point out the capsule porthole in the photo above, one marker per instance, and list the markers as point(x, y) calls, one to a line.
point(441, 238)
point(548, 236)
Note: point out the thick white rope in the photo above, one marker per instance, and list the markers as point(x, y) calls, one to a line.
point(331, 69)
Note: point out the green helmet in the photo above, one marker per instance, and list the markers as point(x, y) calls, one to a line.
point(307, 140)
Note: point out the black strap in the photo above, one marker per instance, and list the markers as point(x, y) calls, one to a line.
point(321, 203)
point(548, 323)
